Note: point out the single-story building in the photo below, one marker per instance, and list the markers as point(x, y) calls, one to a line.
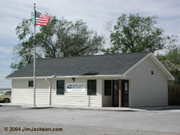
point(121, 80)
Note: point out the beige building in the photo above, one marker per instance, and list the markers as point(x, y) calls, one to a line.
point(113, 80)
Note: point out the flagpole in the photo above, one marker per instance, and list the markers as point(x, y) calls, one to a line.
point(34, 65)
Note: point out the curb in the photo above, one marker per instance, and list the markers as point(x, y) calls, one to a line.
point(35, 107)
point(73, 108)
point(138, 109)
point(10, 105)
point(101, 109)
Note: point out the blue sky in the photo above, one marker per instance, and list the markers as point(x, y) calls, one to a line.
point(95, 12)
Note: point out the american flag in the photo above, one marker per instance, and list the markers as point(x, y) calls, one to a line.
point(42, 19)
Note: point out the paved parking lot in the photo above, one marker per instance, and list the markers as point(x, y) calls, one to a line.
point(17, 120)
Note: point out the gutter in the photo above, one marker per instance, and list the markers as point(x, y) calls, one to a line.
point(49, 90)
point(53, 76)
point(73, 76)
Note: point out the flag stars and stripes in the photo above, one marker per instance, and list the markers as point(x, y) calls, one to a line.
point(42, 19)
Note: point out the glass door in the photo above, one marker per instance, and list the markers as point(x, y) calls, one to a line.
point(115, 92)
point(125, 93)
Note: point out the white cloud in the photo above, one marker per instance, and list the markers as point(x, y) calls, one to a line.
point(95, 12)
point(5, 83)
point(5, 50)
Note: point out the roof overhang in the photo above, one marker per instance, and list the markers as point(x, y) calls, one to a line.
point(117, 76)
point(160, 65)
point(73, 76)
point(157, 62)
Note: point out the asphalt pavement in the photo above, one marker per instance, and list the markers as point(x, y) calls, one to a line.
point(96, 121)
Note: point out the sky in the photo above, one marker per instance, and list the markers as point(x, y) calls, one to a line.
point(94, 12)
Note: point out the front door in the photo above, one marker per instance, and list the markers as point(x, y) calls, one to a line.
point(125, 93)
point(115, 93)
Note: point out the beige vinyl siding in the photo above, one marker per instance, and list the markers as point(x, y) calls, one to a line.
point(77, 98)
point(146, 89)
point(22, 94)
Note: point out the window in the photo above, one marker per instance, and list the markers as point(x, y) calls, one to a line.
point(8, 93)
point(60, 87)
point(91, 87)
point(30, 83)
point(107, 87)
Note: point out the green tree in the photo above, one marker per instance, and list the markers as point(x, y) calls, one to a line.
point(60, 38)
point(171, 60)
point(135, 33)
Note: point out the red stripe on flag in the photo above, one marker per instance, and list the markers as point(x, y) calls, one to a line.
point(43, 20)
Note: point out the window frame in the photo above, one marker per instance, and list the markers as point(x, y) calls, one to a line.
point(57, 92)
point(88, 91)
point(30, 83)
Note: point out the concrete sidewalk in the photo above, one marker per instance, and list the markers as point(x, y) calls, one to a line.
point(152, 108)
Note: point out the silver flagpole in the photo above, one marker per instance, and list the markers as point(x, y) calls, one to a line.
point(34, 66)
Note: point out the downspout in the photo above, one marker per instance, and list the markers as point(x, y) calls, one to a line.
point(49, 90)
point(89, 101)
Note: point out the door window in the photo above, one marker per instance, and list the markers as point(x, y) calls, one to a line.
point(107, 87)
point(125, 93)
point(115, 93)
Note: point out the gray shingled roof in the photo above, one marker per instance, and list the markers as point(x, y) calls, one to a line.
point(111, 64)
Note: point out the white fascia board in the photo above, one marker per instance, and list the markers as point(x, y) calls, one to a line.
point(156, 61)
point(74, 76)
point(161, 66)
point(42, 77)
point(90, 76)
